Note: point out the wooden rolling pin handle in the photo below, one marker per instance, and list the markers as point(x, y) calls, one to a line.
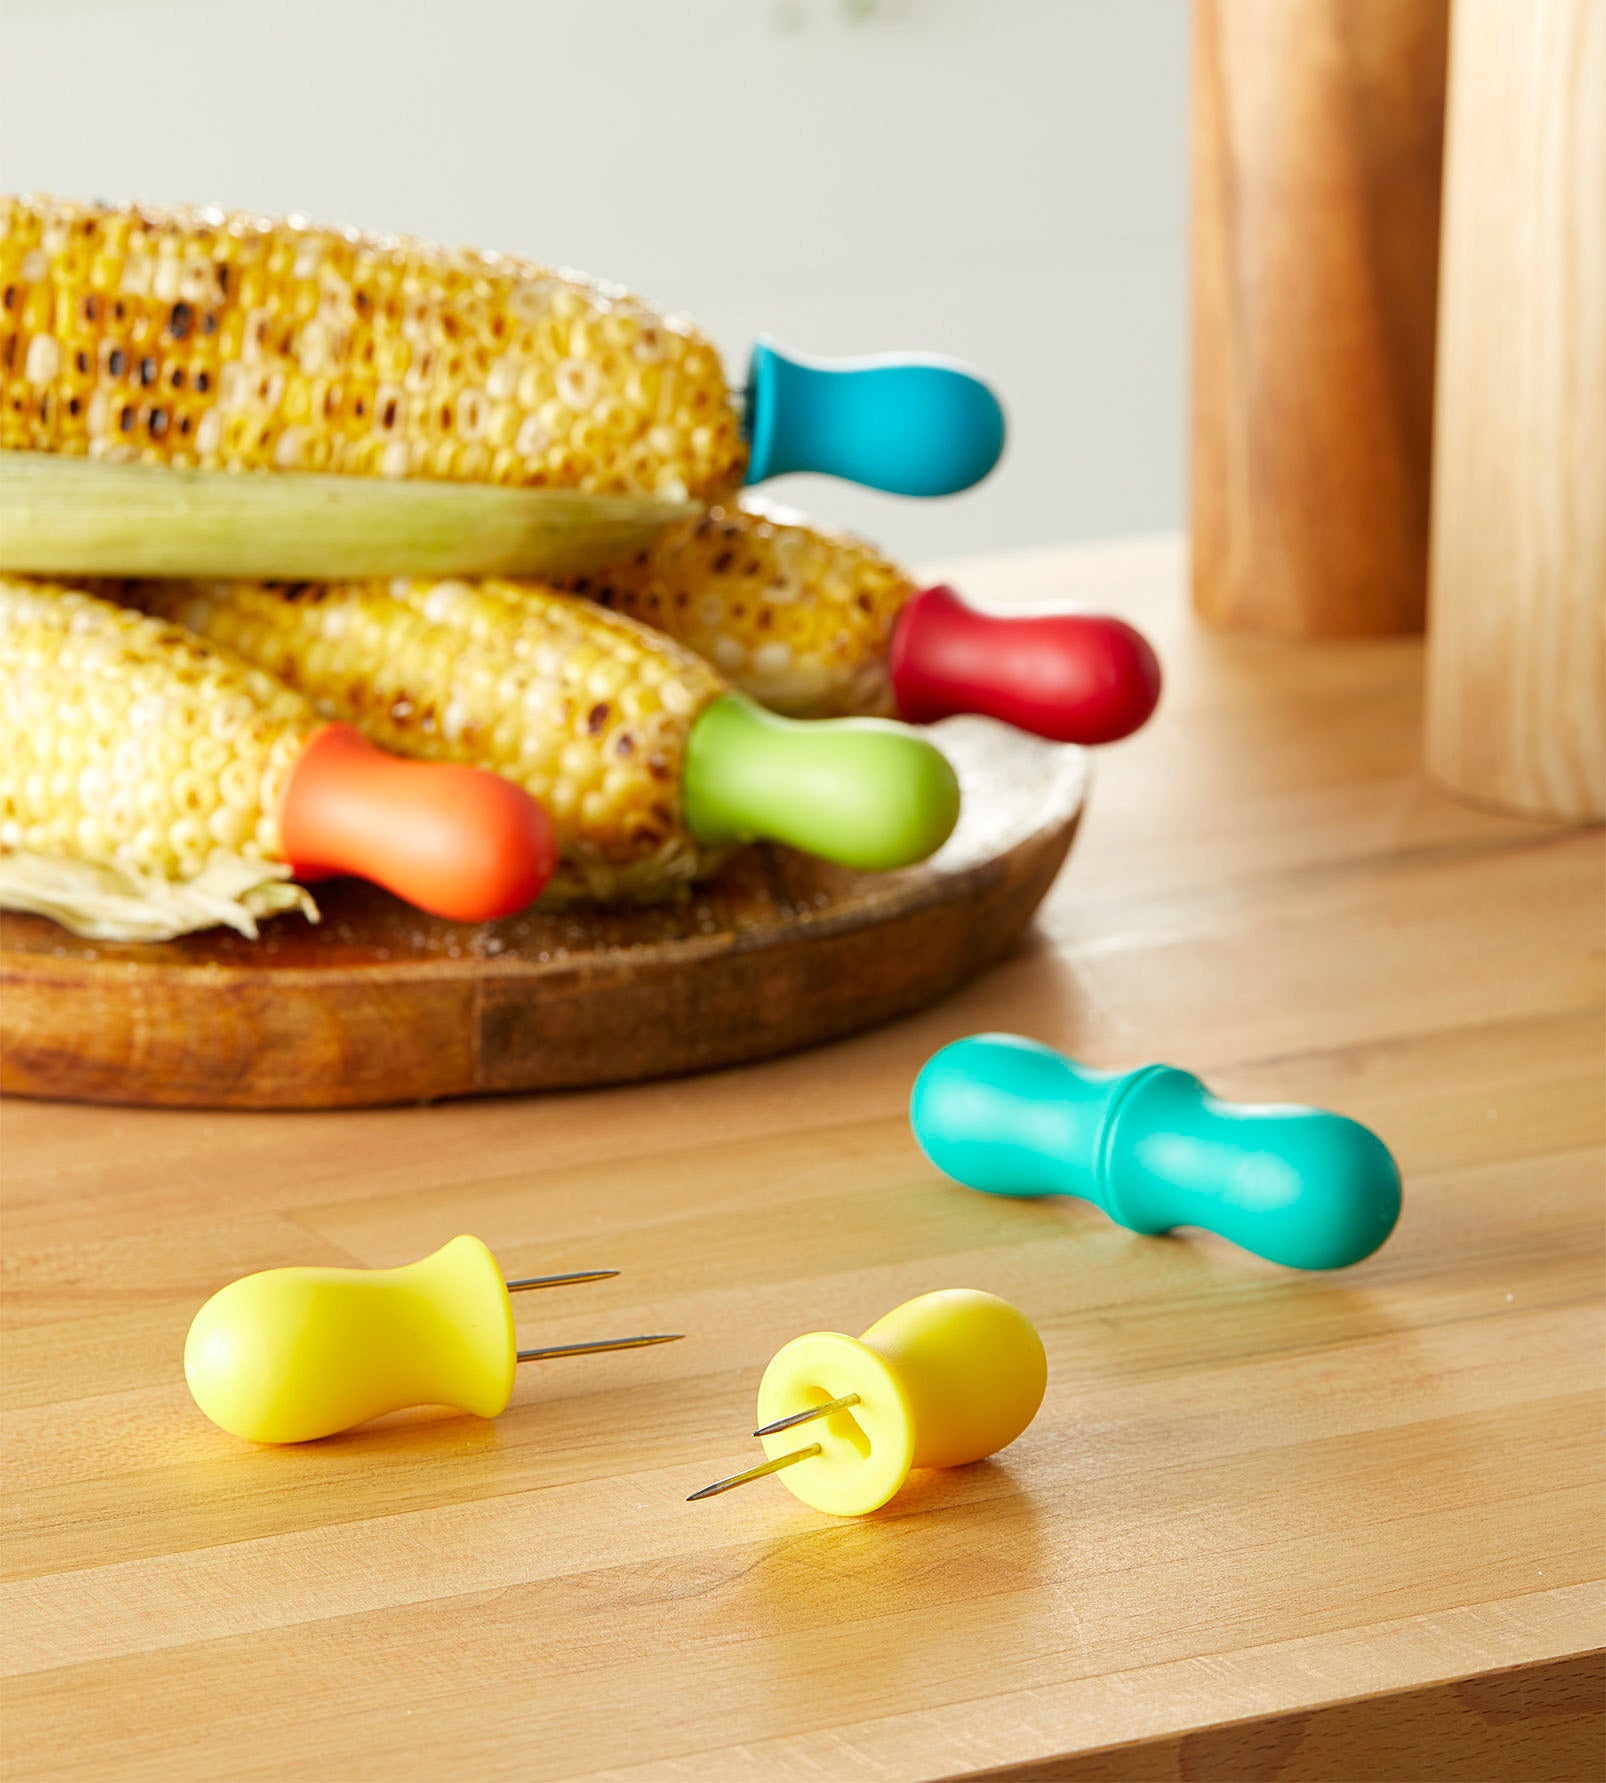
point(1316, 146)
point(1516, 685)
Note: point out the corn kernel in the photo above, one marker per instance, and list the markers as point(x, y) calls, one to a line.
point(111, 750)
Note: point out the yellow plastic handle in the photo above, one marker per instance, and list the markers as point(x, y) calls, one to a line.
point(293, 1354)
point(942, 1380)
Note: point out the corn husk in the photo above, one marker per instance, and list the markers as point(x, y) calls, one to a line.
point(107, 902)
point(68, 516)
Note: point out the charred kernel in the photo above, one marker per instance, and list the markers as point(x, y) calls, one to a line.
point(147, 370)
point(284, 305)
point(126, 420)
point(597, 717)
point(799, 615)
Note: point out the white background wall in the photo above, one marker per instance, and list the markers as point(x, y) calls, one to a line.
point(1000, 179)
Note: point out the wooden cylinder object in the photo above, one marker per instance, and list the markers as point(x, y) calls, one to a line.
point(1516, 712)
point(1317, 137)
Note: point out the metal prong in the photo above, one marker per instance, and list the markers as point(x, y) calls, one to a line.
point(559, 1281)
point(595, 1349)
point(808, 1417)
point(755, 1473)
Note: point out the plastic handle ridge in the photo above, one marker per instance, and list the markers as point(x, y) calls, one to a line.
point(907, 423)
point(1155, 1150)
point(1070, 677)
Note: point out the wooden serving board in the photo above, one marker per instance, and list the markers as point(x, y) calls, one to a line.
point(380, 1004)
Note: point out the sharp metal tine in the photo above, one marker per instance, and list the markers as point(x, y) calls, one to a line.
point(755, 1473)
point(597, 1348)
point(558, 1281)
point(808, 1417)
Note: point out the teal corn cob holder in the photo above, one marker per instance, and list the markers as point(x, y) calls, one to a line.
point(1155, 1150)
point(908, 423)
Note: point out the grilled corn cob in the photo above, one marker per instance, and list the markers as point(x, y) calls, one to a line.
point(126, 740)
point(587, 711)
point(796, 614)
point(647, 764)
point(199, 337)
point(814, 622)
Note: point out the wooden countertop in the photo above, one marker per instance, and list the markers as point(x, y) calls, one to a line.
point(1266, 1525)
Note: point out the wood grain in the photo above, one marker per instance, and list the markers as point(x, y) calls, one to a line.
point(1532, 1724)
point(1252, 1495)
point(1517, 653)
point(380, 1004)
point(1317, 130)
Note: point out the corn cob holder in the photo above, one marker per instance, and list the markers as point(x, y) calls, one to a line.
point(292, 1355)
point(813, 622)
point(945, 1379)
point(561, 421)
point(1155, 1150)
point(126, 743)
point(652, 770)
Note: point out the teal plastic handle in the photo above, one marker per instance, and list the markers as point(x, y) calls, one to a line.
point(1155, 1150)
point(862, 792)
point(908, 423)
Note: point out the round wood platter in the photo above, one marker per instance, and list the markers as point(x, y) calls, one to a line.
point(377, 1003)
